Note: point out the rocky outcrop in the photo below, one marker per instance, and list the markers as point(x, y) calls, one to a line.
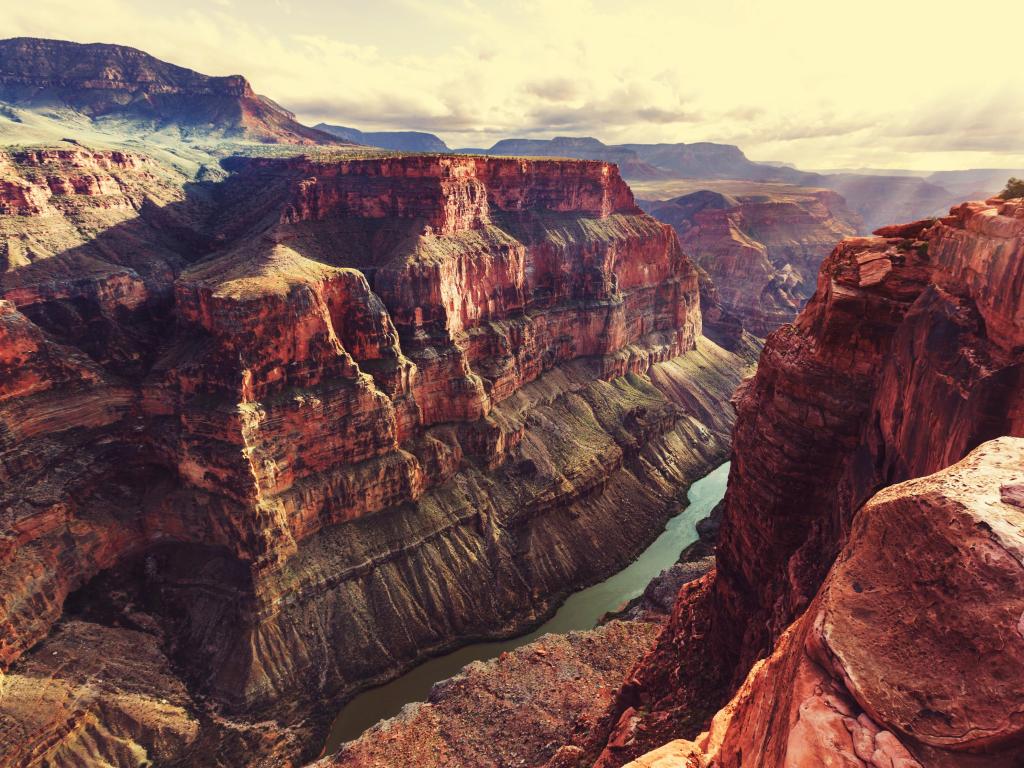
point(331, 416)
point(912, 334)
point(115, 82)
point(95, 694)
point(898, 661)
point(512, 710)
point(762, 253)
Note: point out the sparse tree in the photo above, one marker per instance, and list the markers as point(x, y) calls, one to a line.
point(1014, 188)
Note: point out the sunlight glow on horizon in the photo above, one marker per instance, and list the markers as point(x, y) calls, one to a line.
point(905, 84)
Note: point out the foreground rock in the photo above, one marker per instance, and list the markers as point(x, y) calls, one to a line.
point(331, 416)
point(899, 661)
point(95, 693)
point(908, 356)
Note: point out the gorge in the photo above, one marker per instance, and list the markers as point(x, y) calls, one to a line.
point(466, 459)
point(926, 313)
point(581, 611)
point(292, 401)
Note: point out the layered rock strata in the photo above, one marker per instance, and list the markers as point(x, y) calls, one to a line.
point(908, 357)
point(331, 416)
point(761, 252)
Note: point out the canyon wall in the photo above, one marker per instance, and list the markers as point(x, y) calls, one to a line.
point(302, 428)
point(908, 357)
point(762, 252)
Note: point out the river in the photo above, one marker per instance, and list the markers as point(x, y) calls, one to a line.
point(581, 610)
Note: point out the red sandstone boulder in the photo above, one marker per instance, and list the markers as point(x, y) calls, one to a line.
point(901, 661)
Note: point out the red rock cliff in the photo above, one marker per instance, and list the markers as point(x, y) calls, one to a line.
point(485, 273)
point(908, 356)
point(911, 653)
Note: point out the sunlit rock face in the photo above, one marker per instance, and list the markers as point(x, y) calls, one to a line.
point(908, 356)
point(312, 423)
point(762, 252)
point(128, 90)
point(414, 292)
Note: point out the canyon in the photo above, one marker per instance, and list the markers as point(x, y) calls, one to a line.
point(865, 603)
point(282, 418)
point(270, 440)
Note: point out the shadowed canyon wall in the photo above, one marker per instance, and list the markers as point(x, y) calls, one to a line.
point(910, 654)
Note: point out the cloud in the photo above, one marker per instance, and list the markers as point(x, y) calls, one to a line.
point(799, 81)
point(795, 129)
point(554, 89)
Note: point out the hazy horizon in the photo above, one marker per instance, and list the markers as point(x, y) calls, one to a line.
point(918, 86)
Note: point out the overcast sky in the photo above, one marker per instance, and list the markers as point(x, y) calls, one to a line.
point(883, 83)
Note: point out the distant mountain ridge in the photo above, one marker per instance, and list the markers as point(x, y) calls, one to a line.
point(128, 93)
point(877, 198)
point(761, 251)
point(104, 82)
point(402, 141)
point(698, 160)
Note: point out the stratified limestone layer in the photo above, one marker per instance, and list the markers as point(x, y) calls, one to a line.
point(598, 468)
point(912, 652)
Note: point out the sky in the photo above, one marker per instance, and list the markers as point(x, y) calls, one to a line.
point(877, 83)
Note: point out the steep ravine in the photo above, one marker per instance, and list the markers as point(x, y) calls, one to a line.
point(296, 431)
point(761, 251)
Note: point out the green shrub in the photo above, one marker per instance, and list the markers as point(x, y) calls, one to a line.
point(1014, 188)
